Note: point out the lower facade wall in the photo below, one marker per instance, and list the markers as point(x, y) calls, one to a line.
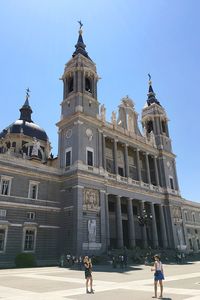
point(47, 250)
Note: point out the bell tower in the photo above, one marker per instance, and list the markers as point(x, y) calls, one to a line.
point(155, 121)
point(80, 82)
point(79, 104)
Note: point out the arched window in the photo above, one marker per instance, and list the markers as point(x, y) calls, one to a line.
point(88, 85)
point(163, 127)
point(70, 85)
point(149, 126)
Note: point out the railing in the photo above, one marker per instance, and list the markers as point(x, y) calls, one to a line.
point(100, 171)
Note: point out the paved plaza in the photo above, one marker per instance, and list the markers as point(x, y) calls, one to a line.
point(53, 283)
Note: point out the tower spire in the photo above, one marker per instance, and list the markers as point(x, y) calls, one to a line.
point(26, 110)
point(80, 46)
point(151, 95)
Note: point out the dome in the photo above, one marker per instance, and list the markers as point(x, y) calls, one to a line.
point(27, 128)
point(25, 124)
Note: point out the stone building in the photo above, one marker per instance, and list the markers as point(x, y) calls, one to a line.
point(110, 186)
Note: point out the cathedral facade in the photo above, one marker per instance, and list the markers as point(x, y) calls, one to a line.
point(111, 185)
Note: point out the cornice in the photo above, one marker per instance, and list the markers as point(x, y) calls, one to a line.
point(29, 206)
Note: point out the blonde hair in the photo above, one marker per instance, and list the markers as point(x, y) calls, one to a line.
point(86, 259)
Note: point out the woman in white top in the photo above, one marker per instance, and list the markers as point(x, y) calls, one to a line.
point(158, 275)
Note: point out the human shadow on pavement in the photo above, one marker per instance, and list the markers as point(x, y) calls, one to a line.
point(109, 269)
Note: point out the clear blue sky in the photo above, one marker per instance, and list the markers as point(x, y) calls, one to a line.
point(127, 40)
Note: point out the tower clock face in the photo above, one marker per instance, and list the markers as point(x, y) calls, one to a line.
point(69, 133)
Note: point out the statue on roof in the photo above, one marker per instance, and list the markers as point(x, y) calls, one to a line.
point(103, 113)
point(113, 118)
point(36, 147)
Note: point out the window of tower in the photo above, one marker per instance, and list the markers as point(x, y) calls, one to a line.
point(149, 126)
point(68, 157)
point(163, 127)
point(70, 85)
point(171, 181)
point(88, 85)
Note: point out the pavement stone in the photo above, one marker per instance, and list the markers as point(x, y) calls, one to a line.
point(182, 282)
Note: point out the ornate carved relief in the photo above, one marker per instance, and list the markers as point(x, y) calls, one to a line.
point(89, 134)
point(176, 211)
point(69, 133)
point(91, 200)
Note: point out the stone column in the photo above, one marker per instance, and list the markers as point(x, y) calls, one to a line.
point(147, 166)
point(103, 218)
point(104, 150)
point(115, 156)
point(163, 227)
point(83, 80)
point(107, 223)
point(156, 170)
point(138, 164)
point(176, 178)
point(154, 227)
point(131, 225)
point(126, 160)
point(65, 90)
point(144, 231)
point(74, 82)
point(77, 219)
point(100, 148)
point(120, 242)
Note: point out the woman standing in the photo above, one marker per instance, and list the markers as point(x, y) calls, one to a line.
point(88, 274)
point(158, 275)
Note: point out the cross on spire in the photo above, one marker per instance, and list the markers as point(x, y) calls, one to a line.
point(27, 93)
point(80, 23)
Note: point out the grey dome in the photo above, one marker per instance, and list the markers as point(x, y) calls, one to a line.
point(27, 128)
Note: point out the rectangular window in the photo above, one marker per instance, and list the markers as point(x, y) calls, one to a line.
point(190, 242)
point(5, 185)
point(89, 158)
point(29, 240)
point(193, 217)
point(2, 213)
point(2, 239)
point(121, 171)
point(33, 189)
point(186, 216)
point(68, 157)
point(171, 183)
point(31, 215)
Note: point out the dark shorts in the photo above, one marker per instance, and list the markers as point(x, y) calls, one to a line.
point(158, 275)
point(88, 273)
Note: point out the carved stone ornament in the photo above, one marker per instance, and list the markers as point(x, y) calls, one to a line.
point(91, 200)
point(69, 133)
point(177, 212)
point(168, 164)
point(89, 134)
